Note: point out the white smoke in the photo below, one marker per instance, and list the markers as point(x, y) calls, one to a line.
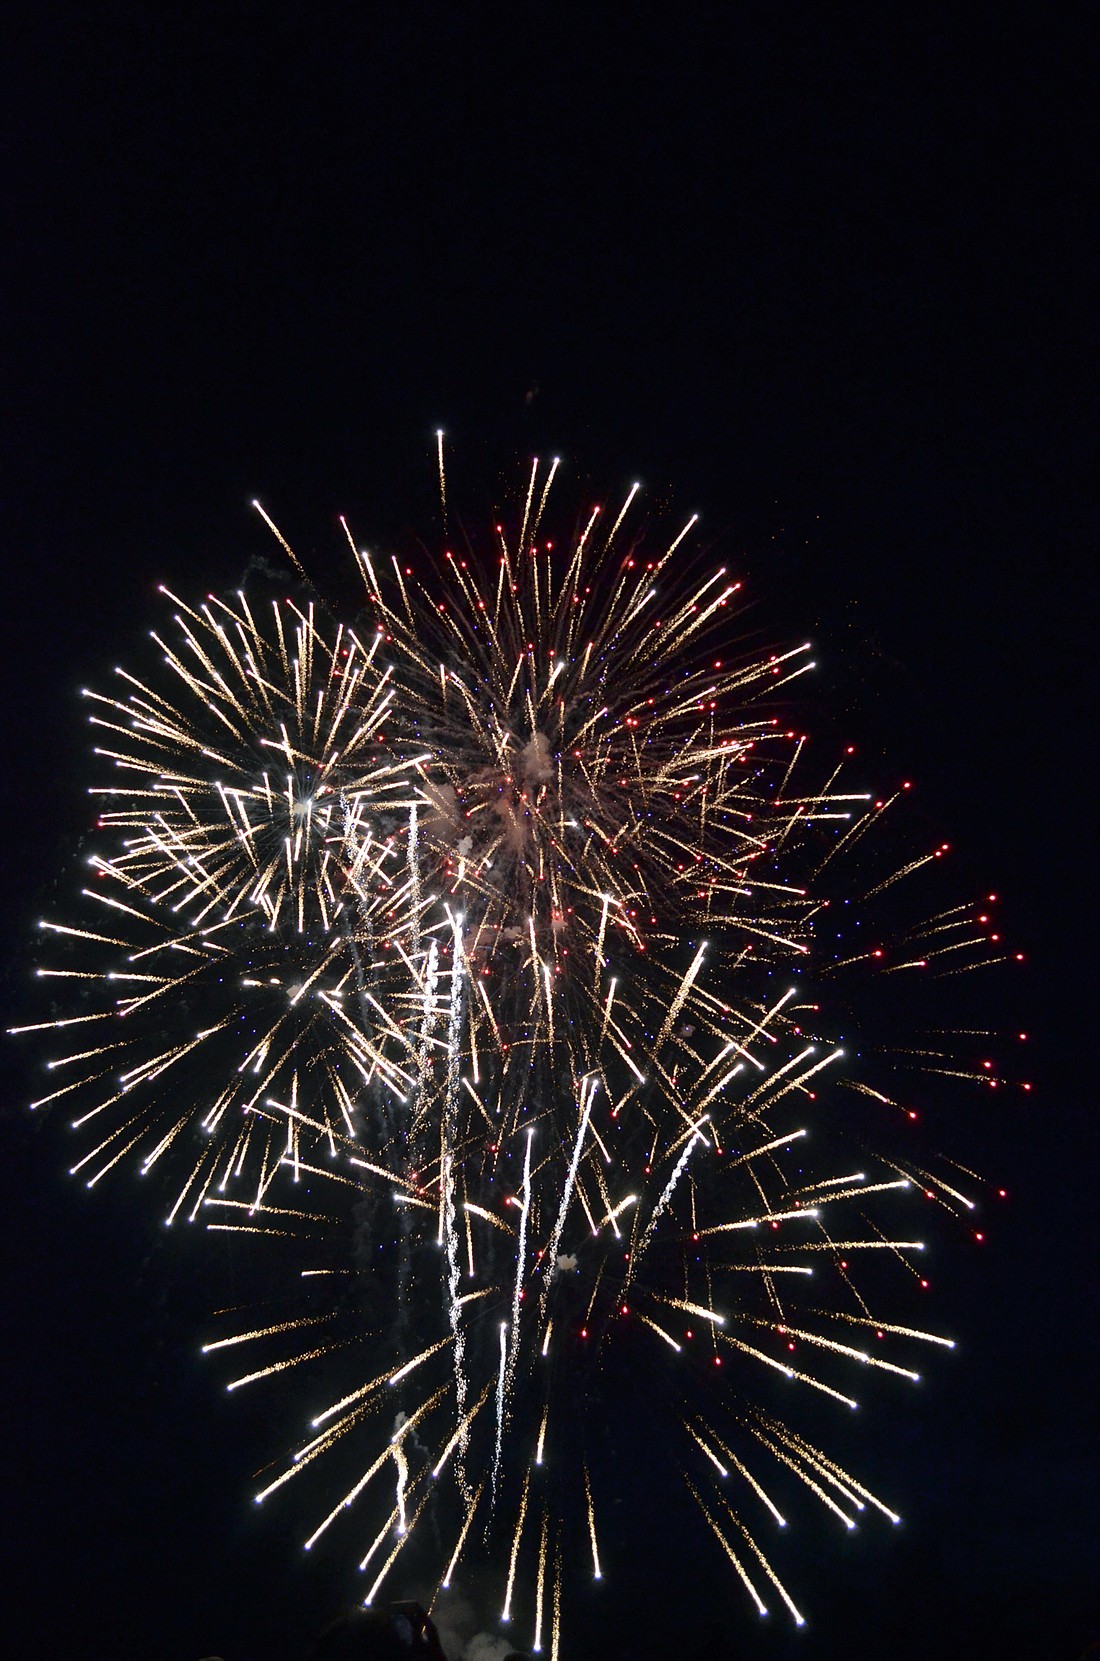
point(483, 1646)
point(537, 760)
point(455, 1621)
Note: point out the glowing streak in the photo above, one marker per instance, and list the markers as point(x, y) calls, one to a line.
point(902, 1331)
point(597, 1573)
point(696, 1309)
point(804, 1476)
point(264, 1332)
point(829, 1465)
point(751, 1480)
point(521, 1251)
point(488, 1217)
point(349, 1499)
point(279, 1367)
point(706, 1448)
point(634, 489)
point(402, 1478)
point(442, 475)
point(587, 1095)
point(500, 1402)
point(346, 1401)
point(540, 1585)
point(506, 1612)
point(617, 1211)
point(660, 1331)
point(461, 1541)
point(790, 1372)
point(666, 1195)
point(390, 1560)
point(680, 996)
point(846, 1349)
point(447, 1184)
point(280, 539)
point(761, 1606)
point(417, 1361)
point(799, 1620)
point(461, 1431)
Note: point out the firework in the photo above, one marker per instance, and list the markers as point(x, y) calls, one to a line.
point(511, 951)
point(228, 927)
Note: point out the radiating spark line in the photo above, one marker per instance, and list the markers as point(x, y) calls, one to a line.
point(506, 1612)
point(417, 1361)
point(403, 1536)
point(660, 1331)
point(597, 1572)
point(264, 1332)
point(501, 1373)
point(461, 1541)
point(799, 1619)
point(742, 1572)
point(540, 1585)
point(521, 1251)
point(442, 475)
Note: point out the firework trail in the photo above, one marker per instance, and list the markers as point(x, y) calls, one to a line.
point(518, 915)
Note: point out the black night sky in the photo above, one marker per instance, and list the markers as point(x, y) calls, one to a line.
point(825, 274)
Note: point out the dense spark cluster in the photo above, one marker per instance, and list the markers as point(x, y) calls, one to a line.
point(238, 887)
point(500, 958)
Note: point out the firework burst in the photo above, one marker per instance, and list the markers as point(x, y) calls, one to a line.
point(227, 931)
point(512, 952)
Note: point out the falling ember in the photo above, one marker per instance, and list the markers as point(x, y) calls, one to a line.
point(461, 1541)
point(442, 474)
point(540, 1585)
point(596, 1571)
point(500, 964)
point(506, 1612)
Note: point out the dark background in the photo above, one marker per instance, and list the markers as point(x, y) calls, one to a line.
point(826, 275)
